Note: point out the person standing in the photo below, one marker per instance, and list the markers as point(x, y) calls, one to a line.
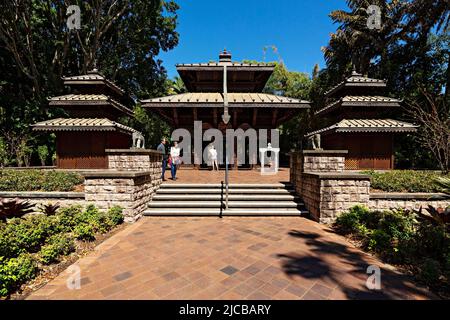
point(162, 148)
point(212, 152)
point(176, 160)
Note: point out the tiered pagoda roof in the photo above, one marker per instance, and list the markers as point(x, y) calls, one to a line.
point(93, 105)
point(208, 77)
point(62, 124)
point(247, 102)
point(358, 95)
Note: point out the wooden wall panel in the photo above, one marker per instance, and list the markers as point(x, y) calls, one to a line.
point(365, 151)
point(86, 150)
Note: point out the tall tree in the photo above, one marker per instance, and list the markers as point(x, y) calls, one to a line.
point(410, 50)
point(122, 38)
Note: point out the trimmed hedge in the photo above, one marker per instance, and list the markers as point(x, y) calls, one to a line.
point(401, 237)
point(38, 180)
point(28, 243)
point(405, 181)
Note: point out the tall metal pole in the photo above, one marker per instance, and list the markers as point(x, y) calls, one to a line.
point(226, 119)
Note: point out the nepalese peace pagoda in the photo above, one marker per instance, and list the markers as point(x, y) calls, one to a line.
point(352, 121)
point(94, 105)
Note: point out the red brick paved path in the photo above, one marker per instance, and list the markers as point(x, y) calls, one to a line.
point(235, 176)
point(232, 258)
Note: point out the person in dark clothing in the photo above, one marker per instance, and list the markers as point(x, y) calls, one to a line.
point(162, 149)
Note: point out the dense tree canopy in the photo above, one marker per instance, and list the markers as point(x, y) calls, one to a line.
point(410, 51)
point(122, 38)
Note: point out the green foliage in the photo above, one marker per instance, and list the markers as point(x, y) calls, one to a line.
point(131, 35)
point(150, 125)
point(400, 236)
point(43, 154)
point(47, 239)
point(68, 216)
point(38, 180)
point(115, 215)
point(406, 181)
point(430, 271)
point(379, 240)
point(444, 183)
point(3, 153)
point(84, 232)
point(350, 221)
point(15, 271)
point(56, 246)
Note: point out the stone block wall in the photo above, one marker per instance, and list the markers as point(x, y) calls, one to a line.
point(327, 195)
point(129, 190)
point(323, 160)
point(318, 177)
point(134, 160)
point(409, 201)
point(315, 161)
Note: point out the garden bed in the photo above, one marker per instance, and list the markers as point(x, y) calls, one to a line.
point(416, 244)
point(40, 180)
point(36, 247)
point(49, 273)
point(411, 181)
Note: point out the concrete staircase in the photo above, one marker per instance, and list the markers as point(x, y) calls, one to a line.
point(209, 200)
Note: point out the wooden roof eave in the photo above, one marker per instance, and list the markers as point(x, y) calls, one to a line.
point(367, 104)
point(336, 129)
point(109, 102)
point(231, 105)
point(345, 84)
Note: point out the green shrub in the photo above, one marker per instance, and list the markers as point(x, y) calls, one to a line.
point(43, 154)
point(16, 271)
point(38, 180)
point(350, 221)
point(57, 245)
point(432, 241)
point(84, 232)
point(399, 236)
point(50, 237)
point(430, 271)
point(68, 217)
point(406, 181)
point(116, 215)
point(379, 241)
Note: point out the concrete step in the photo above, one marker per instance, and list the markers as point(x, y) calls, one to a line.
point(229, 212)
point(219, 191)
point(231, 204)
point(213, 197)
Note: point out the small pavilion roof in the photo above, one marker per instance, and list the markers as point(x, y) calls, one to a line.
point(213, 99)
point(93, 77)
point(360, 101)
point(82, 124)
point(241, 77)
point(356, 80)
point(368, 125)
point(89, 99)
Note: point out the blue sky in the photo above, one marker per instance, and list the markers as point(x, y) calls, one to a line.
point(298, 28)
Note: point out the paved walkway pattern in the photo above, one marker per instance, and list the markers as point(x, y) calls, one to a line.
point(230, 258)
point(235, 176)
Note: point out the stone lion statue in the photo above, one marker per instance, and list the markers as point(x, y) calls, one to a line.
point(138, 140)
point(315, 141)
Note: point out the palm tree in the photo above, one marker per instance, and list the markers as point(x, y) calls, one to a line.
point(177, 86)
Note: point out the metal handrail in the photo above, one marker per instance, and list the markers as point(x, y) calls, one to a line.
point(226, 119)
